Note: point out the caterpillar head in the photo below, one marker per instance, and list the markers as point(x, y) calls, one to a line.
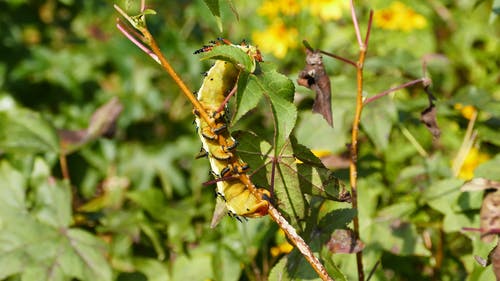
point(252, 51)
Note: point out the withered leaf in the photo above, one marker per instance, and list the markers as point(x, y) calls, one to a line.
point(344, 241)
point(480, 184)
point(428, 116)
point(495, 261)
point(102, 123)
point(490, 216)
point(314, 77)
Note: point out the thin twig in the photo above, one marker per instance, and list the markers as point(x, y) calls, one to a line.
point(373, 270)
point(356, 26)
point(368, 29)
point(386, 92)
point(64, 166)
point(348, 61)
point(138, 43)
point(226, 100)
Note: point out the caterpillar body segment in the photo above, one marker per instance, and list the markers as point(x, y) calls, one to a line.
point(240, 196)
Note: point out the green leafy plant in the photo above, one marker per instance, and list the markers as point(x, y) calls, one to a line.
point(98, 177)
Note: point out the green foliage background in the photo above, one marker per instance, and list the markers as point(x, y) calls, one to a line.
point(135, 208)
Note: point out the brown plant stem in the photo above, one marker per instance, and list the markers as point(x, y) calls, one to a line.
point(299, 243)
point(386, 92)
point(353, 172)
point(166, 65)
point(64, 166)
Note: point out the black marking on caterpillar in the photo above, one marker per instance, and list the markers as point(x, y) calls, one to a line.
point(216, 139)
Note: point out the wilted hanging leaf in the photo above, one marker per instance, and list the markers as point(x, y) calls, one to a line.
point(344, 241)
point(428, 116)
point(314, 77)
point(495, 261)
point(102, 123)
point(480, 184)
point(490, 216)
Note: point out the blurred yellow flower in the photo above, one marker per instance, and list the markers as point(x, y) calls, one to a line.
point(276, 39)
point(467, 111)
point(274, 8)
point(282, 248)
point(327, 9)
point(318, 153)
point(398, 16)
point(472, 160)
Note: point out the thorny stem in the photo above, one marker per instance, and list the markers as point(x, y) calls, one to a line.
point(299, 243)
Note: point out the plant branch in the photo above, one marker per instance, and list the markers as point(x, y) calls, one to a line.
point(299, 243)
point(353, 172)
point(140, 24)
point(348, 61)
point(356, 25)
point(386, 92)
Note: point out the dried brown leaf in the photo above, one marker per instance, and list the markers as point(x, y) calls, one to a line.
point(480, 184)
point(495, 261)
point(314, 77)
point(102, 123)
point(344, 241)
point(490, 216)
point(428, 116)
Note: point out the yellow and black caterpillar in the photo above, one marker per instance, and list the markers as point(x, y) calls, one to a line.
point(241, 197)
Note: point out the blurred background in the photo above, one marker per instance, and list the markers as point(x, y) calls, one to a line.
point(141, 191)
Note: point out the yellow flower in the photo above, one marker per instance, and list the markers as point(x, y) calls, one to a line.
point(467, 111)
point(327, 9)
point(276, 39)
point(274, 8)
point(318, 153)
point(282, 248)
point(398, 16)
point(472, 160)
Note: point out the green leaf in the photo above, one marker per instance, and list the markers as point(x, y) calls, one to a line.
point(489, 170)
point(52, 200)
point(289, 179)
point(36, 243)
point(248, 96)
point(153, 269)
point(440, 194)
point(232, 54)
point(399, 237)
point(280, 91)
point(25, 131)
point(213, 5)
point(292, 267)
point(377, 121)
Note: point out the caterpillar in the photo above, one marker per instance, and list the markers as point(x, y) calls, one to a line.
point(241, 197)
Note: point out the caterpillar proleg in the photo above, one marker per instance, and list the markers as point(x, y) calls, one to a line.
point(241, 197)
